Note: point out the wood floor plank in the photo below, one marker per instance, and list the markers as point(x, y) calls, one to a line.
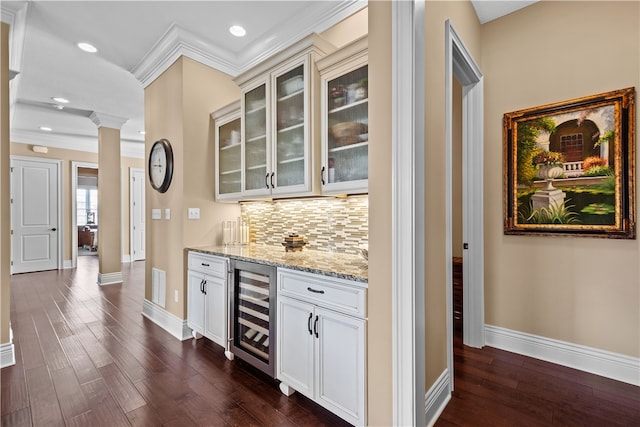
point(103, 406)
point(19, 418)
point(144, 416)
point(70, 396)
point(14, 394)
point(121, 388)
point(51, 349)
point(80, 361)
point(45, 409)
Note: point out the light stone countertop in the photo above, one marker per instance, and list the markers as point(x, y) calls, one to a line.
point(341, 265)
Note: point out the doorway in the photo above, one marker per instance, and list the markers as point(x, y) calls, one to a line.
point(461, 66)
point(137, 223)
point(36, 243)
point(84, 210)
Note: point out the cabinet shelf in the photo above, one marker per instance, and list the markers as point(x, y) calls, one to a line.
point(229, 147)
point(290, 128)
point(291, 95)
point(349, 147)
point(295, 159)
point(255, 110)
point(349, 106)
point(257, 138)
point(256, 167)
point(231, 172)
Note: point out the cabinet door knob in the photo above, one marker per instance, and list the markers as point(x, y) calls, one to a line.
point(266, 180)
point(315, 327)
point(309, 323)
point(322, 175)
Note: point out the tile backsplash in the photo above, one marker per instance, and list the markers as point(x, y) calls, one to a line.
point(328, 224)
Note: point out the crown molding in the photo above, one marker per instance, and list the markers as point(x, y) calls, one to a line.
point(107, 120)
point(15, 15)
point(177, 41)
point(86, 143)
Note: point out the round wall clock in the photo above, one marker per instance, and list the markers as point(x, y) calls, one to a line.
point(161, 165)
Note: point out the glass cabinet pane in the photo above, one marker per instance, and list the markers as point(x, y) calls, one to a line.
point(255, 128)
point(229, 173)
point(290, 126)
point(348, 126)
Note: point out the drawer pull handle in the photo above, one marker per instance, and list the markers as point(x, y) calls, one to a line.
point(205, 265)
point(309, 324)
point(315, 291)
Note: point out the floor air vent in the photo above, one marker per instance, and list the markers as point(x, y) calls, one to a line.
point(158, 287)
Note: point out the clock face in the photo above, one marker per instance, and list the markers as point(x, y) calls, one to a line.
point(161, 165)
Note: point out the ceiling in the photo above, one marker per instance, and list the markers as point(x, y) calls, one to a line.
point(136, 41)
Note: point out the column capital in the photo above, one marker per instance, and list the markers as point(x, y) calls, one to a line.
point(107, 120)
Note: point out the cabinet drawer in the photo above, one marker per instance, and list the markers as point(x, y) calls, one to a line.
point(208, 264)
point(325, 291)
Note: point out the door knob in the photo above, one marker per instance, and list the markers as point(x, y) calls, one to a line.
point(53, 229)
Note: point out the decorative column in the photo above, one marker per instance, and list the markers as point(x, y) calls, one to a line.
point(109, 198)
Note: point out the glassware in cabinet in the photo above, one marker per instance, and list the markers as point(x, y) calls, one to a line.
point(255, 131)
point(228, 152)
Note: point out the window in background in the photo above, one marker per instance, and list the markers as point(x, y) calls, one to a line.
point(87, 206)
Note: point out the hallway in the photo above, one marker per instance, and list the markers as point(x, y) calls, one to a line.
point(87, 357)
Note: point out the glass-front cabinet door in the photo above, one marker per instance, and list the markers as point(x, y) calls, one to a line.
point(256, 136)
point(228, 152)
point(290, 135)
point(345, 120)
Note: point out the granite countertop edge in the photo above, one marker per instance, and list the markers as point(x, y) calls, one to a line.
point(226, 253)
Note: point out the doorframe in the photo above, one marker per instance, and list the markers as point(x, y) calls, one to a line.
point(132, 170)
point(408, 204)
point(60, 225)
point(74, 207)
point(459, 63)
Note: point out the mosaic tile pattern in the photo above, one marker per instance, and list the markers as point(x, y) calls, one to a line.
point(343, 266)
point(331, 224)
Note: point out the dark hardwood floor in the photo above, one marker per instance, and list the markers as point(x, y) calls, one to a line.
point(499, 388)
point(87, 357)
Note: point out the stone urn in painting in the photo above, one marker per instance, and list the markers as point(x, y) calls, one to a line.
point(549, 166)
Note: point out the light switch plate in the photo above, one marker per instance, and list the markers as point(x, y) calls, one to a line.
point(167, 213)
point(193, 213)
point(156, 214)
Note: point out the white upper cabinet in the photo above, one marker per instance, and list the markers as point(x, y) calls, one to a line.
point(345, 119)
point(228, 152)
point(281, 122)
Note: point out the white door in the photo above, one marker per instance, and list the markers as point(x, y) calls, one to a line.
point(340, 382)
point(216, 309)
point(195, 302)
point(295, 345)
point(137, 215)
point(34, 215)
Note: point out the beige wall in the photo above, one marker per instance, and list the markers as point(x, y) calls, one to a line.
point(5, 220)
point(67, 157)
point(580, 290)
point(177, 107)
point(349, 29)
point(465, 22)
point(379, 338)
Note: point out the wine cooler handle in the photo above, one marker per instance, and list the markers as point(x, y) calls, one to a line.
point(322, 175)
point(309, 323)
point(315, 327)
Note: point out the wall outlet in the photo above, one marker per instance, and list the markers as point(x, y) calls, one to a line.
point(156, 214)
point(175, 295)
point(167, 213)
point(193, 213)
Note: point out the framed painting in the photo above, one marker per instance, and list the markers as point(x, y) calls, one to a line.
point(569, 167)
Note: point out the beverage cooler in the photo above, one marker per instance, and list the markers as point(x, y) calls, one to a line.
point(253, 314)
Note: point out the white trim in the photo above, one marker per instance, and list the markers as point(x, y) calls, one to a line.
point(7, 355)
point(126, 258)
point(16, 16)
point(407, 287)
point(459, 63)
point(74, 207)
point(132, 171)
point(177, 41)
point(107, 120)
point(167, 321)
point(437, 397)
point(600, 362)
point(88, 143)
point(109, 278)
point(67, 264)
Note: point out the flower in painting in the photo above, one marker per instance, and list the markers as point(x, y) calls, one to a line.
point(548, 158)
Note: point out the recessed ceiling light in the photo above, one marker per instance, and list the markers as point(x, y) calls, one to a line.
point(87, 47)
point(46, 128)
point(237, 30)
point(60, 100)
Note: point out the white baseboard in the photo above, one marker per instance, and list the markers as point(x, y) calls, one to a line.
point(67, 263)
point(437, 398)
point(167, 321)
point(109, 278)
point(7, 355)
point(126, 258)
point(600, 362)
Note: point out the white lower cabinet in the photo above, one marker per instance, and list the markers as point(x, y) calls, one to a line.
point(321, 351)
point(207, 297)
